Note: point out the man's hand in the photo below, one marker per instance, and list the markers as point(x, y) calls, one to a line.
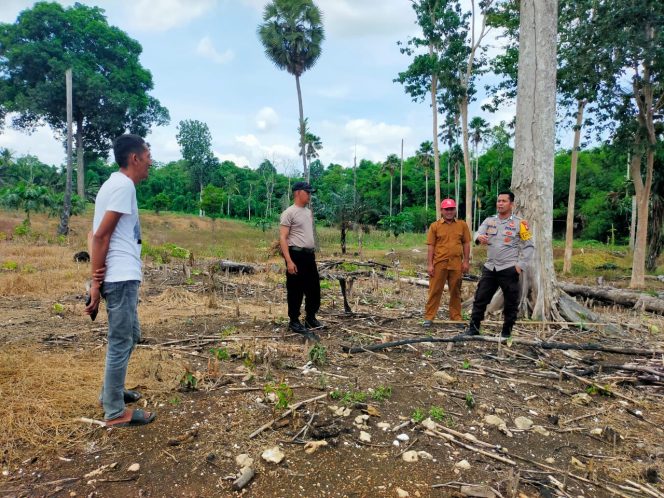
point(465, 267)
point(483, 239)
point(518, 269)
point(430, 270)
point(92, 307)
point(292, 269)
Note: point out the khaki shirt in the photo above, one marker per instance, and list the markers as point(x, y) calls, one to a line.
point(300, 221)
point(510, 242)
point(447, 240)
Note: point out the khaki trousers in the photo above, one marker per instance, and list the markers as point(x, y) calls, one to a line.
point(436, 286)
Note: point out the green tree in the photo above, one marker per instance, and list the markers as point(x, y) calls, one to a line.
point(425, 161)
point(292, 34)
point(390, 166)
point(312, 144)
point(195, 143)
point(110, 85)
point(479, 130)
point(29, 198)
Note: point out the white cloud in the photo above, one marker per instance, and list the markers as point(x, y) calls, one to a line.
point(239, 160)
point(41, 143)
point(367, 132)
point(207, 49)
point(266, 119)
point(257, 152)
point(166, 14)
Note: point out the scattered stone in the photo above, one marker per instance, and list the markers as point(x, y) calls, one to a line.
point(383, 425)
point(365, 437)
point(134, 467)
point(402, 493)
point(361, 421)
point(312, 446)
point(578, 463)
point(582, 399)
point(424, 455)
point(462, 465)
point(500, 411)
point(396, 443)
point(541, 430)
point(494, 420)
point(403, 437)
point(550, 460)
point(477, 491)
point(410, 456)
point(273, 455)
point(523, 423)
point(597, 431)
point(444, 378)
point(340, 411)
point(429, 424)
point(243, 460)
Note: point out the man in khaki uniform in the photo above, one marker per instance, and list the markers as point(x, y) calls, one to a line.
point(509, 249)
point(448, 259)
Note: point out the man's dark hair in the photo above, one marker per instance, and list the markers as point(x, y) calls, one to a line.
point(507, 192)
point(125, 145)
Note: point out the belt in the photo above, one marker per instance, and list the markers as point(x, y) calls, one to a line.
point(309, 250)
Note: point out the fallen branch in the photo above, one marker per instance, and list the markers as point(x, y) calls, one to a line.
point(524, 342)
point(628, 299)
point(285, 414)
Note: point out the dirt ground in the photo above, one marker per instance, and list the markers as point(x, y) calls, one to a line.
point(213, 347)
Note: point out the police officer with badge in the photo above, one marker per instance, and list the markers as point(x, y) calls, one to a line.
point(509, 249)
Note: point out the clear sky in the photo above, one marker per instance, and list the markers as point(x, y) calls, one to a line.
point(208, 64)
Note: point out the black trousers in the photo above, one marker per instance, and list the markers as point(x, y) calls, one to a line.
point(508, 281)
point(303, 284)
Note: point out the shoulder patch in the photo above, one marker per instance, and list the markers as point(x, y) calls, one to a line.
point(524, 230)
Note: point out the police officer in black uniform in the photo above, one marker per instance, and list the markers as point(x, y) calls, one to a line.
point(509, 249)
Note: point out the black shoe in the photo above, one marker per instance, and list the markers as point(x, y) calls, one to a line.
point(312, 323)
point(506, 332)
point(472, 329)
point(298, 327)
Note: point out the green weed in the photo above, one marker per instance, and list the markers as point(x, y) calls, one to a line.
point(381, 393)
point(470, 400)
point(284, 394)
point(437, 413)
point(9, 265)
point(418, 415)
point(318, 355)
point(220, 354)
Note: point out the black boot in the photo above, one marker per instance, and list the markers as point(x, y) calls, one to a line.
point(311, 323)
point(507, 330)
point(297, 327)
point(472, 329)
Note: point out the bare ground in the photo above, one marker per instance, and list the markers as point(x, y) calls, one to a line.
point(52, 358)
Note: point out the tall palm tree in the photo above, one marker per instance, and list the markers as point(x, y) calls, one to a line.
point(479, 129)
point(390, 166)
point(292, 34)
point(425, 161)
point(312, 143)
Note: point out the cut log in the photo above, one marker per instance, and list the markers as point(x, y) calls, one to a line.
point(611, 295)
point(525, 342)
point(234, 267)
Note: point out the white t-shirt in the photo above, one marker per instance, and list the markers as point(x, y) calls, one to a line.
point(123, 260)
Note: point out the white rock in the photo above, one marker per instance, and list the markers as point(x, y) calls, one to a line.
point(424, 455)
point(429, 424)
point(582, 399)
point(500, 411)
point(541, 430)
point(477, 491)
point(410, 456)
point(244, 460)
point(523, 423)
point(383, 425)
point(313, 446)
point(402, 493)
point(396, 443)
point(403, 437)
point(596, 431)
point(462, 465)
point(550, 460)
point(134, 467)
point(365, 437)
point(494, 420)
point(273, 455)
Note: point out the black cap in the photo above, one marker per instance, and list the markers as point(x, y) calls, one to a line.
point(303, 186)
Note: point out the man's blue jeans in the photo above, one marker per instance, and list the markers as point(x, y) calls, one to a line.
point(124, 332)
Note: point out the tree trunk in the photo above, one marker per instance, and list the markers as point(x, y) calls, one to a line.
point(80, 178)
point(299, 101)
point(571, 197)
point(201, 213)
point(343, 237)
point(391, 177)
point(426, 198)
point(401, 180)
point(532, 170)
point(642, 197)
point(656, 241)
point(612, 295)
point(463, 109)
point(436, 156)
point(632, 226)
point(63, 228)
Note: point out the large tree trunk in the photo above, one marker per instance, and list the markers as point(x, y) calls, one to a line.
point(436, 155)
point(612, 295)
point(571, 197)
point(656, 240)
point(642, 198)
point(426, 198)
point(463, 108)
point(63, 228)
point(532, 170)
point(80, 178)
point(299, 101)
point(391, 177)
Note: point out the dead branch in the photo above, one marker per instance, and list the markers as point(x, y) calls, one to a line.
point(524, 342)
point(629, 299)
point(285, 414)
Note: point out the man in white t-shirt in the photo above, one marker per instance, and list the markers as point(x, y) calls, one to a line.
point(296, 239)
point(116, 251)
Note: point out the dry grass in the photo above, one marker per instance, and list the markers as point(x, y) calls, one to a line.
point(45, 392)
